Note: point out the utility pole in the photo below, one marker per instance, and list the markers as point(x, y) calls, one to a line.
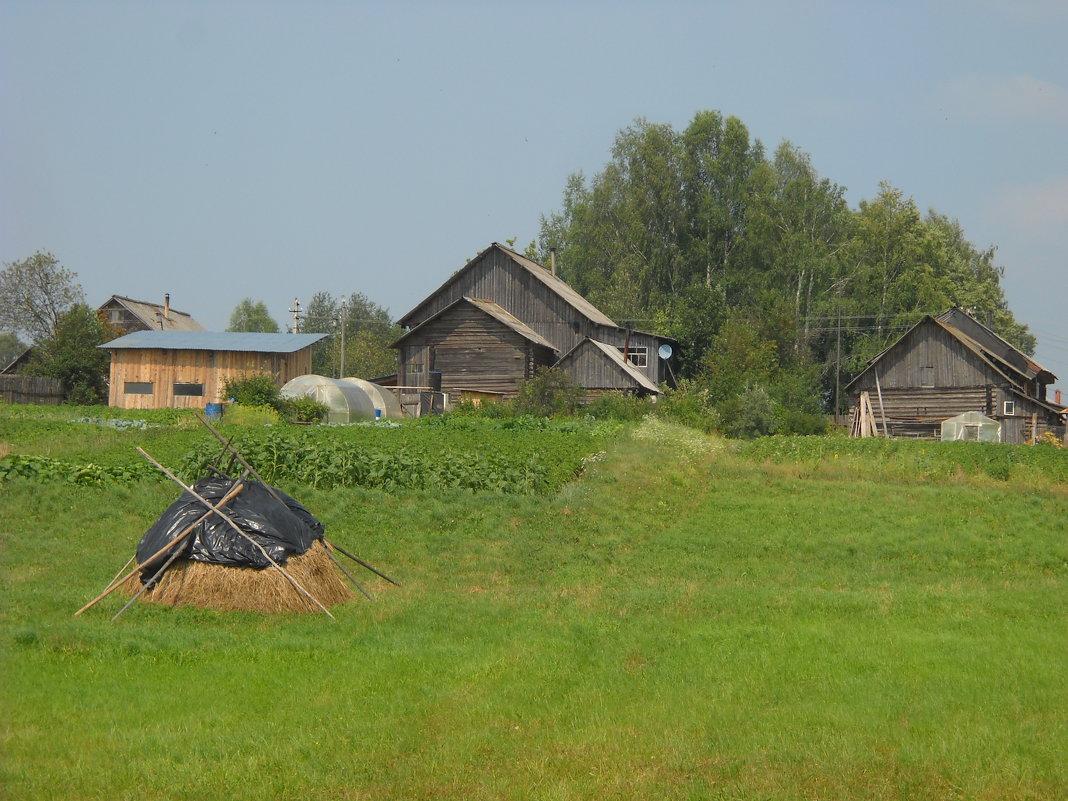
point(295, 310)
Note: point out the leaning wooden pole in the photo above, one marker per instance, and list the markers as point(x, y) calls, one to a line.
point(114, 585)
point(270, 489)
point(151, 582)
point(296, 584)
point(351, 577)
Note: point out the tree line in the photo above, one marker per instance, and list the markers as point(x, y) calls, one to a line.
point(757, 265)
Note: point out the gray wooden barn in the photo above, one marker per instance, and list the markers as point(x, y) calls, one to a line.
point(502, 316)
point(950, 364)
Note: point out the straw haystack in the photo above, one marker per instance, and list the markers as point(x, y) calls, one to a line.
point(236, 544)
point(249, 589)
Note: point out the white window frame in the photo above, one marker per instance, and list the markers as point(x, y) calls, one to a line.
point(636, 356)
point(1008, 408)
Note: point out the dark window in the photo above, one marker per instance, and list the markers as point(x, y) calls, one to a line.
point(138, 388)
point(189, 390)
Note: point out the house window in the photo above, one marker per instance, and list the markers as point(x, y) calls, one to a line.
point(189, 390)
point(138, 388)
point(1009, 408)
point(414, 367)
point(639, 357)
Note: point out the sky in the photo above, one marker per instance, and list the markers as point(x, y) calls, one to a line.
point(269, 150)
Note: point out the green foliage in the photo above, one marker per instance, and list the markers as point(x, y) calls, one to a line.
point(11, 347)
point(550, 392)
point(250, 315)
point(255, 389)
point(368, 334)
point(618, 406)
point(689, 405)
point(242, 414)
point(693, 231)
point(305, 410)
point(35, 293)
point(683, 622)
point(70, 353)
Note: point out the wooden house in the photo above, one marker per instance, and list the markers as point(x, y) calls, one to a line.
point(137, 315)
point(188, 369)
point(951, 364)
point(502, 316)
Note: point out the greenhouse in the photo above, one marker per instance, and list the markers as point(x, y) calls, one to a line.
point(347, 400)
point(971, 427)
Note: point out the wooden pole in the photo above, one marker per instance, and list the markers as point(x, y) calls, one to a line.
point(151, 582)
point(351, 577)
point(237, 528)
point(116, 584)
point(882, 409)
point(278, 498)
point(359, 561)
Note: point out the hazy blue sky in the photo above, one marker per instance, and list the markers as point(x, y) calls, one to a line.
point(220, 150)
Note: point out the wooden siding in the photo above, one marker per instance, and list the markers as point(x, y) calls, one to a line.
point(31, 389)
point(591, 369)
point(472, 351)
point(165, 368)
point(496, 276)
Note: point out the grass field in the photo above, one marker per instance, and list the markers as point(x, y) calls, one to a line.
point(690, 619)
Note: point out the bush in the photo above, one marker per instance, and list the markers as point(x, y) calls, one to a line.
point(240, 414)
point(305, 410)
point(618, 406)
point(257, 389)
point(549, 393)
point(688, 406)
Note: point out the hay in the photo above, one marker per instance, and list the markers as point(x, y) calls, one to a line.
point(247, 589)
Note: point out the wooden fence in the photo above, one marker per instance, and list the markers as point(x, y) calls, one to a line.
point(31, 389)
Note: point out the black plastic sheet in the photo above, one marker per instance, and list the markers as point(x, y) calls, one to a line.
point(281, 529)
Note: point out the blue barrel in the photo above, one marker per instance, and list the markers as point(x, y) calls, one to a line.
point(214, 410)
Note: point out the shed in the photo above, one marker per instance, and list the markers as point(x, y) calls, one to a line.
point(188, 369)
point(950, 364)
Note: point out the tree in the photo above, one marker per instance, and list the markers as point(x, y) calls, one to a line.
point(35, 293)
point(252, 316)
point(11, 347)
point(71, 354)
point(367, 331)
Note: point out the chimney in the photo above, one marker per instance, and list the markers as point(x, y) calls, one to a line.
point(167, 306)
point(552, 260)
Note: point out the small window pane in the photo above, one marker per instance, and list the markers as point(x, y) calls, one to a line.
point(189, 390)
point(138, 388)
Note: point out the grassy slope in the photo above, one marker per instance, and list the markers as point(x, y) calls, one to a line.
point(680, 626)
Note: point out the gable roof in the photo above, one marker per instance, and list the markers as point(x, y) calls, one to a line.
point(613, 355)
point(152, 315)
point(211, 340)
point(995, 345)
point(554, 283)
point(495, 311)
point(995, 362)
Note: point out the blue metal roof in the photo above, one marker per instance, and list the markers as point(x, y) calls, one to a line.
point(212, 340)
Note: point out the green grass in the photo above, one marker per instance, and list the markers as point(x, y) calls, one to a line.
point(689, 620)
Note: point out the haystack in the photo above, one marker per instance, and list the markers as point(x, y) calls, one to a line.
point(236, 544)
point(249, 589)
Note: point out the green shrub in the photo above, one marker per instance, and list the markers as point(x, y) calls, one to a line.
point(689, 405)
point(618, 406)
point(257, 389)
point(304, 410)
point(549, 393)
point(240, 414)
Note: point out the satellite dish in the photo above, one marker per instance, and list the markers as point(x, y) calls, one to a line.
point(665, 351)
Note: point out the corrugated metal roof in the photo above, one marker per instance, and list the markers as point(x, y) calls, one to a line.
point(213, 340)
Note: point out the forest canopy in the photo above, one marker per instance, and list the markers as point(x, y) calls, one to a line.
point(757, 265)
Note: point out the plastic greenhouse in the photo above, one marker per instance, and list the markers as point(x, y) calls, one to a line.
point(347, 400)
point(972, 427)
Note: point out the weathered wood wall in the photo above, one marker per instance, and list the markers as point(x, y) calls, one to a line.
point(165, 368)
point(497, 277)
point(31, 389)
point(471, 350)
